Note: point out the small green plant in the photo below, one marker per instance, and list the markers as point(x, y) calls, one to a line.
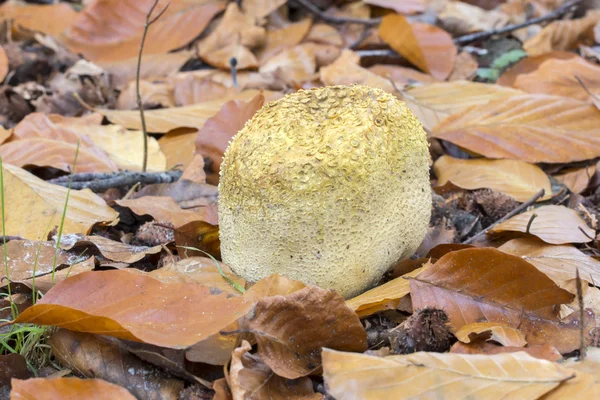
point(29, 340)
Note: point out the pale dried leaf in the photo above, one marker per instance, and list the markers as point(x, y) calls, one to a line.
point(576, 179)
point(493, 331)
point(345, 71)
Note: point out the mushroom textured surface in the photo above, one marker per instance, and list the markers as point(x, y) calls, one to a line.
point(328, 186)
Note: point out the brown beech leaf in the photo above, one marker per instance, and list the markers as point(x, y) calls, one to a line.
point(214, 137)
point(325, 34)
point(182, 22)
point(346, 71)
point(235, 35)
point(401, 76)
point(110, 249)
point(559, 77)
point(485, 284)
point(261, 8)
point(460, 18)
point(560, 263)
point(94, 356)
point(35, 207)
point(286, 37)
point(4, 67)
point(514, 178)
point(292, 329)
point(533, 128)
point(153, 66)
point(439, 375)
point(553, 224)
point(491, 331)
point(401, 7)
point(426, 46)
point(563, 35)
point(585, 385)
point(67, 388)
point(542, 351)
point(136, 307)
point(576, 179)
point(51, 19)
point(191, 88)
point(12, 365)
point(530, 64)
point(199, 235)
point(53, 153)
point(46, 282)
point(465, 67)
point(193, 116)
point(295, 65)
point(163, 209)
point(380, 297)
point(434, 102)
point(251, 378)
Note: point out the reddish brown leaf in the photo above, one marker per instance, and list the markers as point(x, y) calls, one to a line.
point(180, 24)
point(136, 307)
point(163, 209)
point(200, 235)
point(12, 365)
point(576, 179)
point(533, 128)
point(110, 249)
point(346, 70)
point(291, 330)
point(484, 284)
point(213, 138)
point(51, 19)
point(252, 378)
point(553, 224)
point(530, 64)
point(286, 37)
point(543, 351)
point(426, 46)
point(491, 331)
point(65, 388)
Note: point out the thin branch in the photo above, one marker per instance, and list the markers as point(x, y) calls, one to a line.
point(102, 181)
point(511, 214)
point(337, 20)
point(137, 76)
point(581, 316)
point(559, 12)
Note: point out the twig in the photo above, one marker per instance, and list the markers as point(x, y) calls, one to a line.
point(233, 65)
point(581, 316)
point(559, 12)
point(137, 76)
point(337, 20)
point(511, 214)
point(101, 182)
point(533, 216)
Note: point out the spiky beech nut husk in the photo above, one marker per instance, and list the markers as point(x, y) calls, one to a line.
point(328, 186)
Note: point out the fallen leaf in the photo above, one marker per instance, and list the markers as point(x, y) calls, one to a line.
point(182, 22)
point(155, 65)
point(514, 178)
point(64, 388)
point(53, 153)
point(99, 357)
point(465, 67)
point(235, 35)
point(435, 375)
point(559, 263)
point(435, 102)
point(346, 71)
point(251, 378)
point(377, 299)
point(34, 207)
point(46, 282)
point(136, 307)
point(553, 224)
point(558, 77)
point(533, 128)
point(563, 35)
point(12, 366)
point(165, 120)
point(294, 65)
point(190, 88)
point(200, 235)
point(401, 7)
point(291, 330)
point(4, 67)
point(426, 46)
point(178, 147)
point(110, 249)
point(325, 34)
point(542, 351)
point(51, 19)
point(491, 331)
point(527, 65)
point(163, 209)
point(585, 386)
point(286, 37)
point(194, 171)
point(576, 179)
point(461, 18)
point(401, 76)
point(259, 9)
point(152, 94)
point(214, 137)
point(485, 284)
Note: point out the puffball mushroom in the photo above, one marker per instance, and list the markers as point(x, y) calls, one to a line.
point(327, 186)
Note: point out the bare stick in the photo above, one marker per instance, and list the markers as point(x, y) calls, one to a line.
point(100, 182)
point(137, 77)
point(337, 20)
point(511, 214)
point(581, 316)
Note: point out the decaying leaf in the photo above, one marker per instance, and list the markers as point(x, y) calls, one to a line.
point(446, 375)
point(61, 388)
point(492, 331)
point(553, 224)
point(542, 351)
point(576, 179)
point(346, 70)
point(164, 209)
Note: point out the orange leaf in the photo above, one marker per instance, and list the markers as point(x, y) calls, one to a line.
point(553, 224)
point(136, 307)
point(512, 177)
point(530, 64)
point(163, 209)
point(67, 388)
point(576, 179)
point(51, 19)
point(345, 70)
point(533, 128)
point(492, 331)
point(484, 284)
point(286, 37)
point(4, 67)
point(426, 46)
point(180, 24)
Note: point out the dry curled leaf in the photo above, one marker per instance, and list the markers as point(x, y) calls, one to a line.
point(514, 178)
point(542, 351)
point(553, 224)
point(576, 179)
point(346, 70)
point(491, 331)
point(51, 19)
point(65, 388)
point(434, 375)
point(291, 330)
point(164, 209)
